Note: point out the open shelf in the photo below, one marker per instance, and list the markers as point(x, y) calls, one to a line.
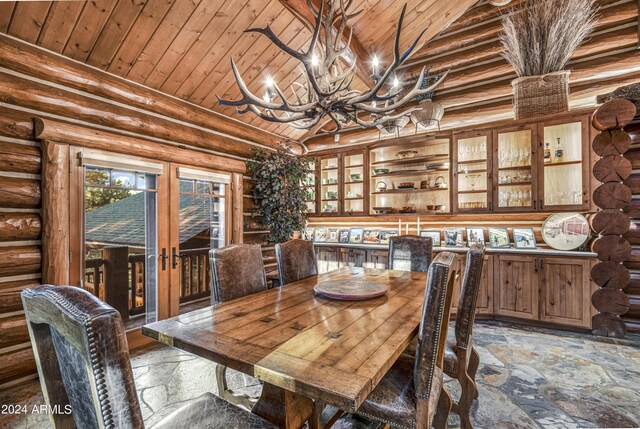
point(354, 183)
point(354, 199)
point(414, 160)
point(515, 184)
point(480, 191)
point(519, 167)
point(353, 166)
point(475, 161)
point(335, 199)
point(558, 164)
point(409, 191)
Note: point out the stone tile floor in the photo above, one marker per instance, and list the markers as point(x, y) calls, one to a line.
point(528, 378)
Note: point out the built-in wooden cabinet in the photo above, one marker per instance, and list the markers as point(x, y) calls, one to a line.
point(485, 302)
point(309, 183)
point(565, 291)
point(539, 288)
point(522, 167)
point(548, 289)
point(515, 287)
point(410, 177)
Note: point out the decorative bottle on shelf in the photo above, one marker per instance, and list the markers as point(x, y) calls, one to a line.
point(547, 153)
point(559, 153)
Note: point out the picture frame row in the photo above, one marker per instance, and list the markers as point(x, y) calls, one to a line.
point(499, 238)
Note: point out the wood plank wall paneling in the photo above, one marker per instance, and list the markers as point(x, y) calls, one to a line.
point(20, 228)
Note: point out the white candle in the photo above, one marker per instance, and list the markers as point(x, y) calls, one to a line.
point(399, 227)
point(418, 227)
point(407, 229)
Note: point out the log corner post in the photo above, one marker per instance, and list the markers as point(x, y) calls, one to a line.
point(55, 213)
point(611, 223)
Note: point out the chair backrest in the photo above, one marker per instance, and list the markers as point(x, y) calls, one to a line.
point(296, 260)
point(82, 357)
point(236, 271)
point(410, 253)
point(432, 335)
point(466, 315)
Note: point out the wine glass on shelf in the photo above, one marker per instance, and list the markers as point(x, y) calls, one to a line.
point(473, 180)
point(483, 148)
point(460, 151)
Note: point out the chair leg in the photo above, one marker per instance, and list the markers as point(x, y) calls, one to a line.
point(441, 418)
point(474, 362)
point(468, 391)
point(221, 380)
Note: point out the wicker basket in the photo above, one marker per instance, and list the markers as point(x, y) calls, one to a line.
point(541, 95)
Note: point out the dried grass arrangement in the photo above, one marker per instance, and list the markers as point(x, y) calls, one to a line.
point(541, 36)
point(539, 39)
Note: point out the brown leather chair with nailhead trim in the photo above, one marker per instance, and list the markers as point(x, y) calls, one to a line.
point(82, 357)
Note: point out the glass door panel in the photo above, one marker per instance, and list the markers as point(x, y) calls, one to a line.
point(202, 227)
point(353, 173)
point(563, 174)
point(309, 184)
point(515, 175)
point(473, 173)
point(120, 242)
point(329, 185)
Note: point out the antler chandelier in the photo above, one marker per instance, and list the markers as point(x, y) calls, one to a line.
point(329, 70)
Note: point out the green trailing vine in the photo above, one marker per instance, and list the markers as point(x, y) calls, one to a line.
point(278, 193)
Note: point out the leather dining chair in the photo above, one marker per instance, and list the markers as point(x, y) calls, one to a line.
point(296, 260)
point(411, 392)
point(236, 271)
point(81, 352)
point(410, 253)
point(461, 360)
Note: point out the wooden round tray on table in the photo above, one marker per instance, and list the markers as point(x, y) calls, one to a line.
point(350, 290)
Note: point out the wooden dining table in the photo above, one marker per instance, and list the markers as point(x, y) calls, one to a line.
point(307, 349)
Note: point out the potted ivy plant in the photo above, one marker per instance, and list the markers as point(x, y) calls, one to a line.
point(280, 199)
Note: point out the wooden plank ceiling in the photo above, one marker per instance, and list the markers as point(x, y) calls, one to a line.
point(183, 47)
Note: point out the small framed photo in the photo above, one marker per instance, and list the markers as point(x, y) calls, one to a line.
point(355, 235)
point(371, 236)
point(308, 234)
point(475, 236)
point(333, 235)
point(385, 236)
point(524, 238)
point(499, 238)
point(343, 236)
point(453, 237)
point(435, 236)
point(321, 235)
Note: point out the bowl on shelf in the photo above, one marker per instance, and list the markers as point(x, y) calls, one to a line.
point(406, 185)
point(377, 171)
point(407, 154)
point(440, 207)
point(431, 207)
point(356, 177)
point(408, 209)
point(382, 210)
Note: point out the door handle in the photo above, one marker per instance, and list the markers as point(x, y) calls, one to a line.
point(174, 258)
point(163, 259)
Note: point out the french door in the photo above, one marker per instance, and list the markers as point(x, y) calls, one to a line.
point(141, 232)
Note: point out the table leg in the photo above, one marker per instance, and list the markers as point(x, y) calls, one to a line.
point(283, 408)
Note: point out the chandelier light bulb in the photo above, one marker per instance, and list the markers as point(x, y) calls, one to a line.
point(270, 82)
point(314, 60)
point(395, 82)
point(267, 97)
point(375, 61)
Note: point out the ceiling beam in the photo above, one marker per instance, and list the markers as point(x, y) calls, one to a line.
point(301, 11)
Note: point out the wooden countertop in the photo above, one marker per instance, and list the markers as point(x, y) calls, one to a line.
point(511, 251)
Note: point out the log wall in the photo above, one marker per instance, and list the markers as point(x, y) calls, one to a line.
point(611, 223)
point(41, 92)
point(478, 88)
point(20, 242)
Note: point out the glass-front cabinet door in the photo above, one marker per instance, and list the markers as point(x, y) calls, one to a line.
point(564, 173)
point(353, 174)
point(472, 176)
point(514, 155)
point(309, 185)
point(329, 185)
